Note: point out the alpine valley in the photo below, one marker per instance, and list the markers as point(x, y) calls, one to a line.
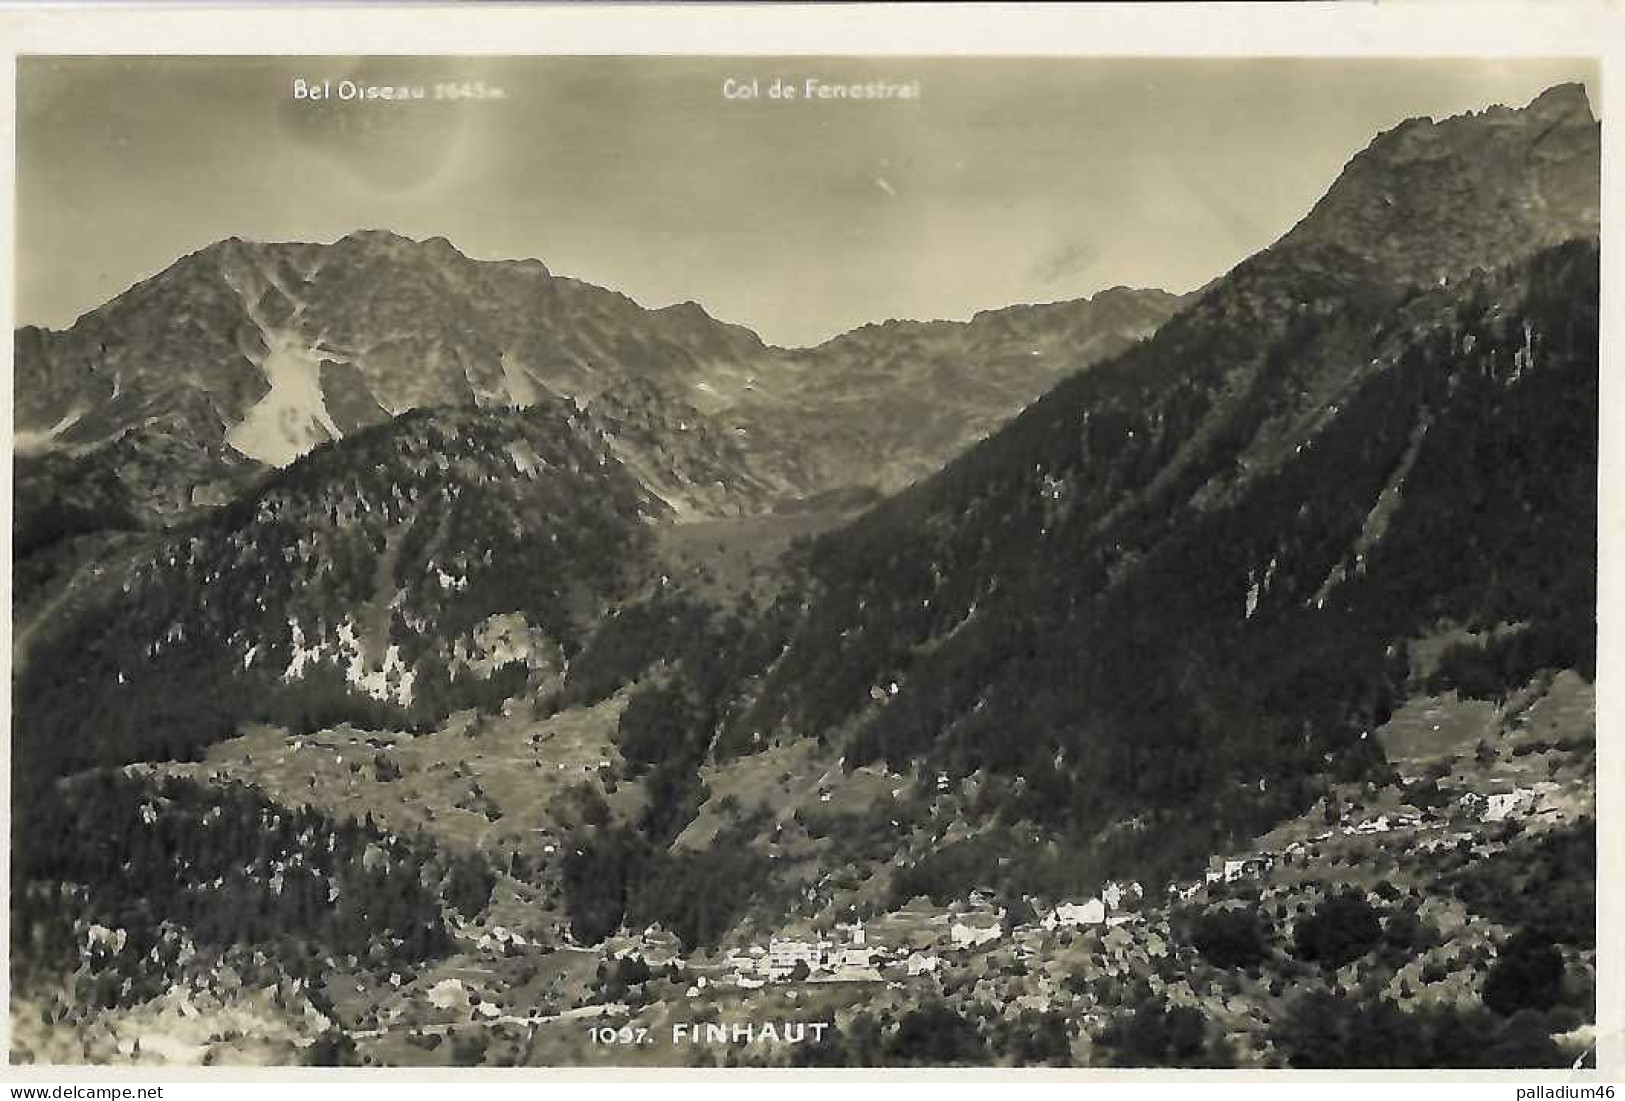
point(423, 660)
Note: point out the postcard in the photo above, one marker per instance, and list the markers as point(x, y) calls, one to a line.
point(578, 553)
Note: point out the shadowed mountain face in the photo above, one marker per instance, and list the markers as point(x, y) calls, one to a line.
point(887, 404)
point(1191, 574)
point(1171, 600)
point(1472, 191)
point(392, 576)
point(245, 355)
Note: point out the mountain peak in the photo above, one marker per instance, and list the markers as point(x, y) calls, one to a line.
point(1430, 200)
point(378, 236)
point(685, 309)
point(1562, 101)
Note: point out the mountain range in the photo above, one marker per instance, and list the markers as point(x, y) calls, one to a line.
point(1091, 588)
point(242, 357)
point(1171, 601)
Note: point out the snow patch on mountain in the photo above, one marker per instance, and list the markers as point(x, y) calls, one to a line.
point(521, 387)
point(27, 441)
point(292, 417)
point(1378, 518)
point(388, 679)
point(503, 639)
point(525, 459)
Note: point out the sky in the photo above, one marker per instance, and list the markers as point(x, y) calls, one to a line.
point(1006, 180)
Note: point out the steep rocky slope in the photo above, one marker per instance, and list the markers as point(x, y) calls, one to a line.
point(409, 569)
point(1471, 191)
point(1173, 598)
point(887, 404)
point(244, 356)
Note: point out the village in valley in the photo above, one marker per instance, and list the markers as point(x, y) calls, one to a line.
point(1406, 857)
point(1070, 971)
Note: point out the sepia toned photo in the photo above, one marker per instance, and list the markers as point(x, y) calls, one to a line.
point(805, 562)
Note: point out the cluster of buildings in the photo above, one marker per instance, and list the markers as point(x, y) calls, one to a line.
point(1255, 865)
point(908, 945)
point(1502, 805)
point(1485, 807)
point(501, 941)
point(910, 942)
point(787, 958)
point(1110, 907)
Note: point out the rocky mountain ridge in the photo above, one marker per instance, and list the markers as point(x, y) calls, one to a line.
point(1174, 595)
point(1469, 191)
point(395, 575)
point(243, 356)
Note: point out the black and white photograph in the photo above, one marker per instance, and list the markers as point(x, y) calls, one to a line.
point(805, 561)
